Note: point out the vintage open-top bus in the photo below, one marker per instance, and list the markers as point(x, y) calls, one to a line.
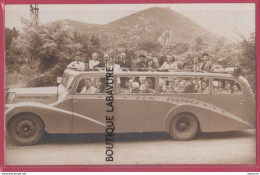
point(180, 103)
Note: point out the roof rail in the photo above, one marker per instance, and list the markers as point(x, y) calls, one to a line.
point(229, 70)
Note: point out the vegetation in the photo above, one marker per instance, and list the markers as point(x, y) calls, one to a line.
point(41, 52)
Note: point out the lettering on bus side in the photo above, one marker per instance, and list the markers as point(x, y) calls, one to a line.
point(182, 100)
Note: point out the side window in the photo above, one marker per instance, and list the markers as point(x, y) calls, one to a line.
point(224, 86)
point(137, 85)
point(91, 85)
point(171, 85)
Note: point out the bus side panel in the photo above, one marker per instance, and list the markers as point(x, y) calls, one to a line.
point(210, 121)
point(140, 115)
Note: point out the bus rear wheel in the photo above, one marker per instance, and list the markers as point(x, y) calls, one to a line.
point(184, 127)
point(25, 129)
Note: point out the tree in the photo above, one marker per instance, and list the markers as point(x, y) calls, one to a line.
point(9, 36)
point(198, 43)
point(149, 46)
point(247, 58)
point(44, 47)
point(180, 48)
point(95, 41)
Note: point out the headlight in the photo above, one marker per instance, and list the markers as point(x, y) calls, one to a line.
point(10, 97)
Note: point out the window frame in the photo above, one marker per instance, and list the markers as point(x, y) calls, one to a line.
point(228, 79)
point(87, 76)
point(183, 76)
point(125, 76)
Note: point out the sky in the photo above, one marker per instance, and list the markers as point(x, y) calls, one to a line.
point(223, 19)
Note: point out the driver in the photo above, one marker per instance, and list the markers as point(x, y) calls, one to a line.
point(88, 89)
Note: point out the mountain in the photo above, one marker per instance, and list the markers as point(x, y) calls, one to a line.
point(155, 24)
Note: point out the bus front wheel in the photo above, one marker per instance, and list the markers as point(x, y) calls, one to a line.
point(25, 129)
point(184, 127)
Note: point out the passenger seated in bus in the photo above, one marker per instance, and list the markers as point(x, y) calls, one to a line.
point(164, 89)
point(220, 87)
point(89, 88)
point(170, 64)
point(104, 62)
point(126, 89)
point(94, 63)
point(181, 87)
point(123, 61)
point(141, 80)
point(171, 88)
point(77, 64)
point(81, 85)
point(156, 64)
point(204, 89)
point(215, 86)
point(236, 89)
point(206, 64)
point(131, 81)
point(162, 82)
point(189, 88)
point(135, 88)
point(85, 61)
point(196, 85)
point(150, 64)
point(196, 66)
point(148, 86)
point(141, 62)
point(176, 85)
point(102, 85)
point(227, 89)
point(112, 63)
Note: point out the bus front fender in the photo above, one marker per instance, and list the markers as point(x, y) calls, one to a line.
point(55, 120)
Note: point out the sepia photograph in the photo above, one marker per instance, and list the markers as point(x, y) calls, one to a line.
point(130, 84)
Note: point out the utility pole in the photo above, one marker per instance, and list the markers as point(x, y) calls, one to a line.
point(34, 11)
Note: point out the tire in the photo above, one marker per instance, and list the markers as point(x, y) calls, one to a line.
point(25, 129)
point(184, 127)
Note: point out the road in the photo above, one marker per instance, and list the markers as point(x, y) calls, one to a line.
point(137, 148)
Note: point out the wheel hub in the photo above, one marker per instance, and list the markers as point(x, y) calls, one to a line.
point(25, 128)
point(182, 125)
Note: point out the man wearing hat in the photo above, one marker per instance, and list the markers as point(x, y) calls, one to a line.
point(141, 62)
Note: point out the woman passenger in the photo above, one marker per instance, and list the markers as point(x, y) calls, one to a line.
point(164, 89)
point(204, 87)
point(148, 86)
point(150, 64)
point(170, 64)
point(141, 80)
point(94, 62)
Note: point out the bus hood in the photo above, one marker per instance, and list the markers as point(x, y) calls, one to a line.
point(45, 95)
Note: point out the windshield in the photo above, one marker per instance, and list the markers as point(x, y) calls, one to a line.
point(67, 80)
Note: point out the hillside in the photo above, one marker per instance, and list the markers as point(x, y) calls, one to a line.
point(155, 24)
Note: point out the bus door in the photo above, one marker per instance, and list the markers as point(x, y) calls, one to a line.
point(89, 105)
